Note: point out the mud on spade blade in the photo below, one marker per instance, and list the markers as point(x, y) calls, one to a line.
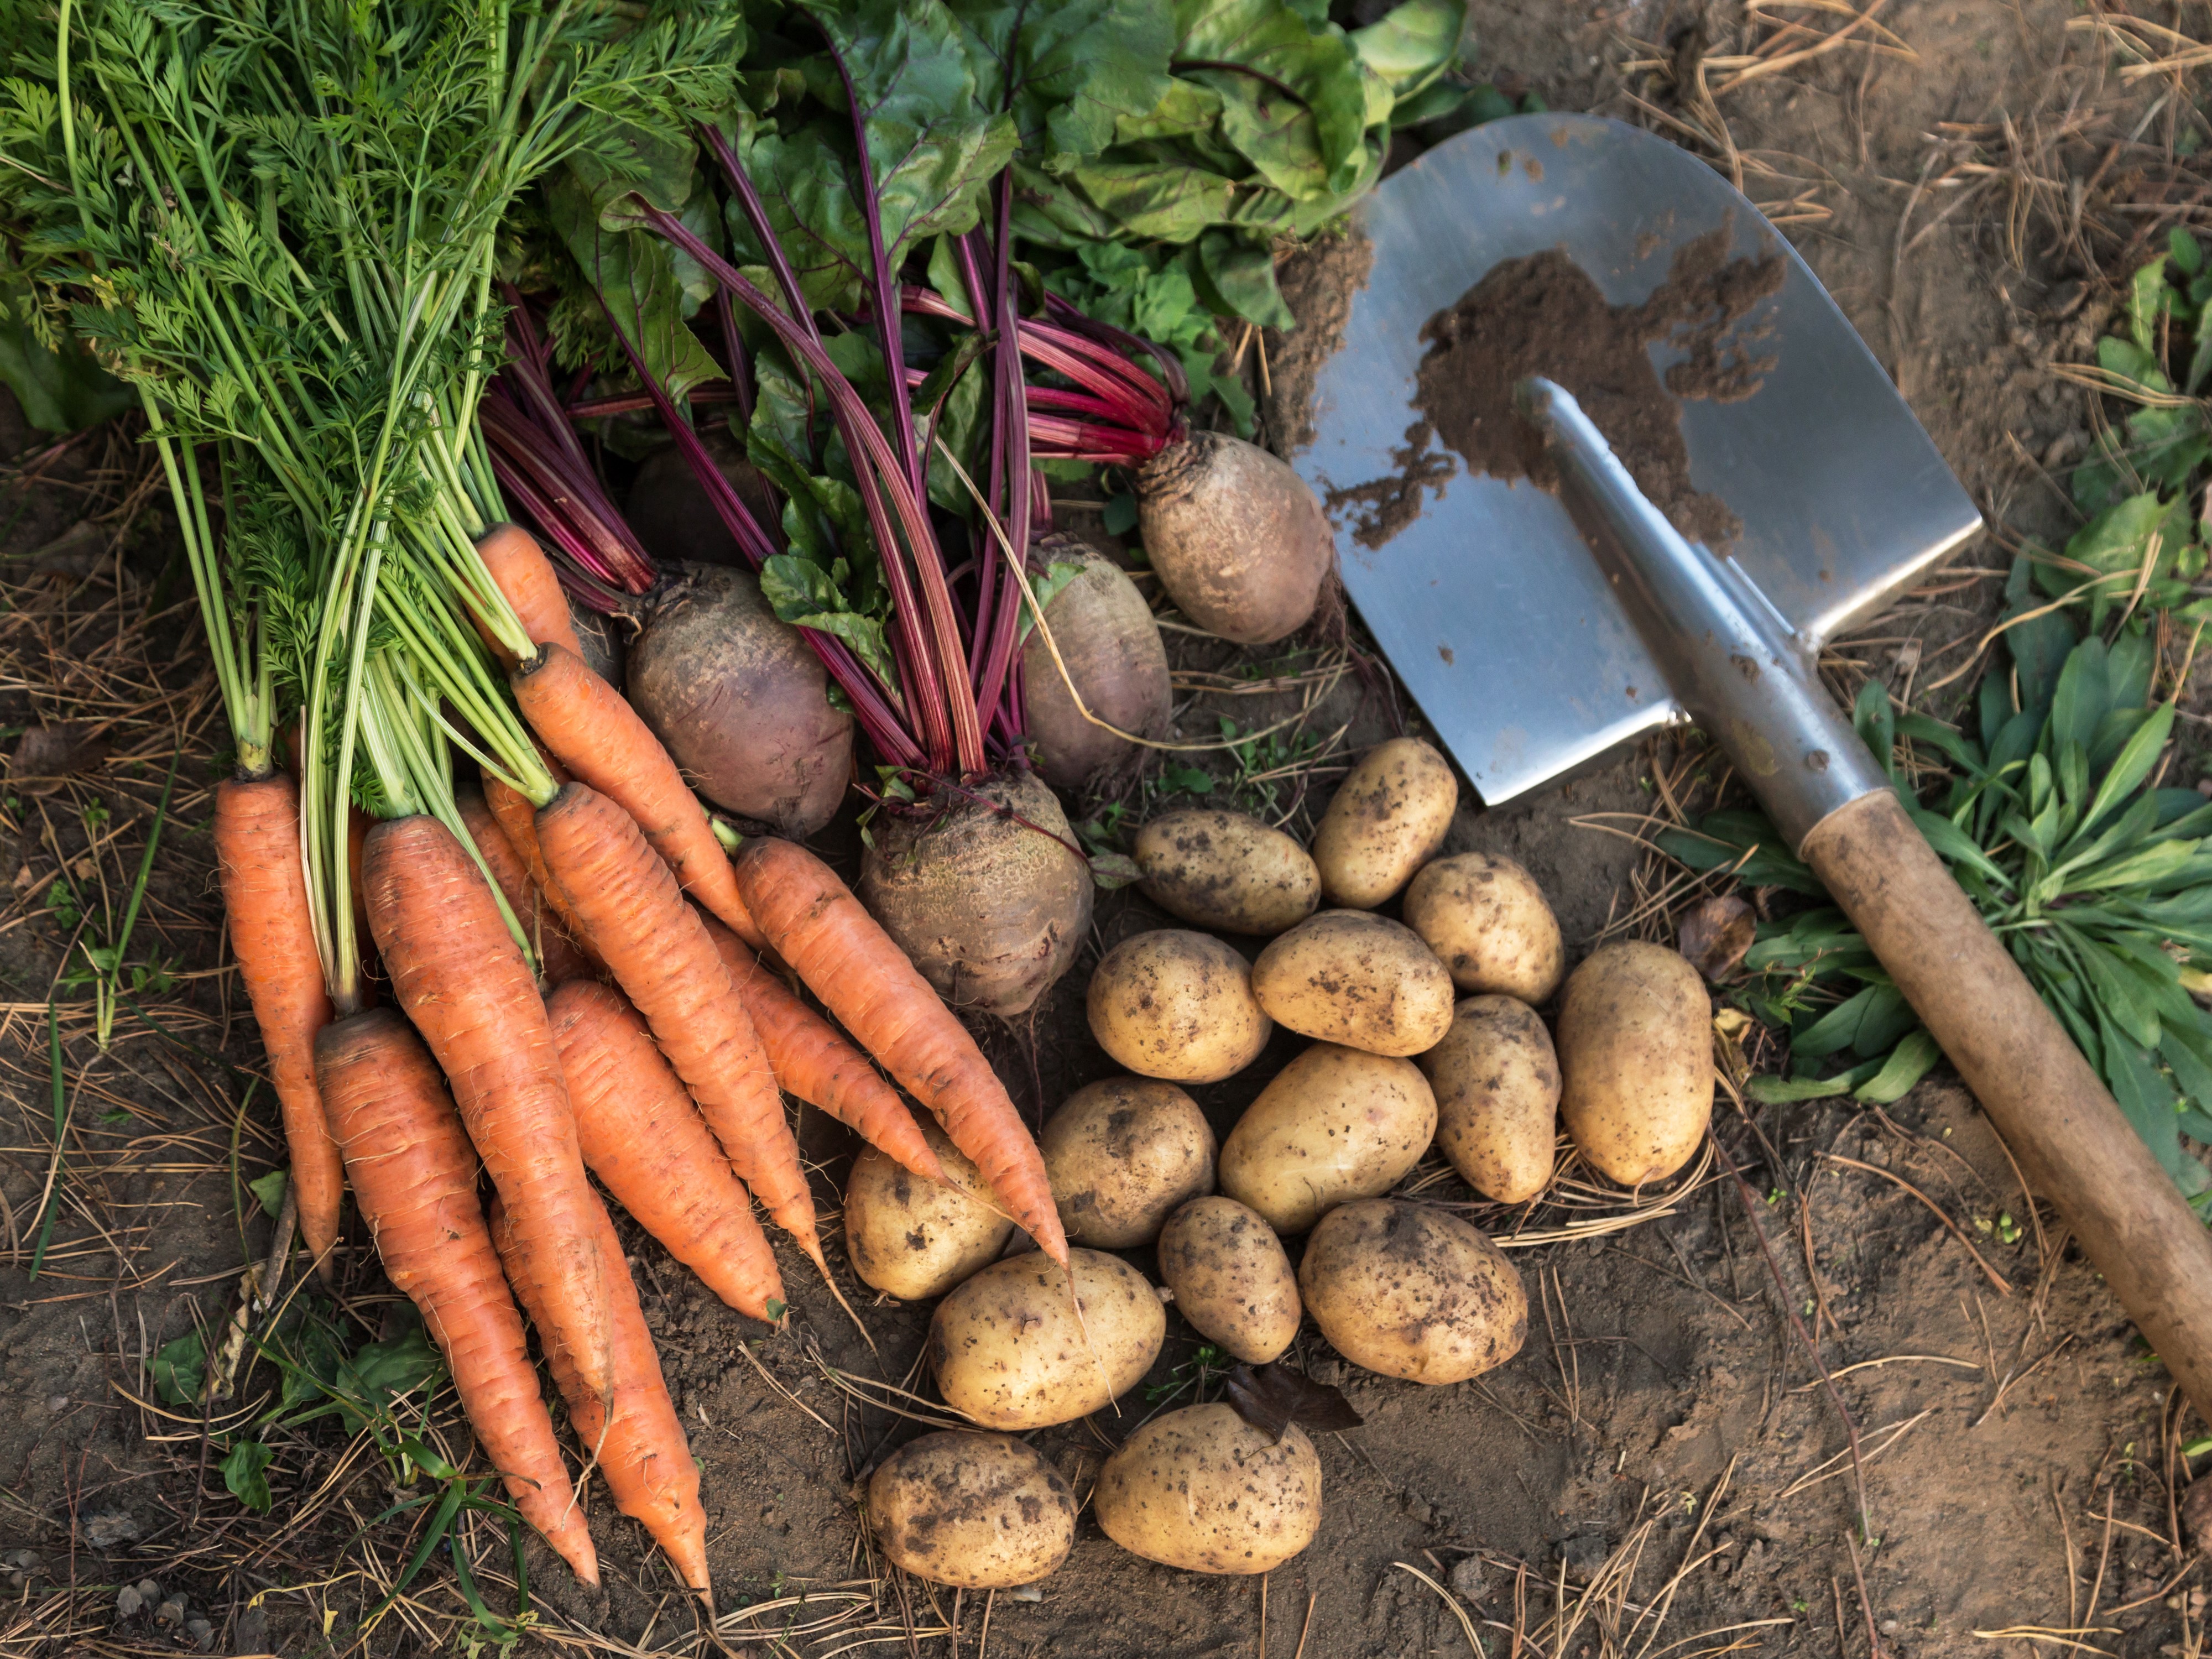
point(1488, 602)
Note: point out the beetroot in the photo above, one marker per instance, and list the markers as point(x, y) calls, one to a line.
point(739, 701)
point(926, 878)
point(1238, 538)
point(671, 515)
point(1111, 649)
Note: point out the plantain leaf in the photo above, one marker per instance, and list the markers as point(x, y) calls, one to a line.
point(1913, 1057)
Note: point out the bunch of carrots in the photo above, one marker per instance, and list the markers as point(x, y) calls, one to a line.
point(574, 960)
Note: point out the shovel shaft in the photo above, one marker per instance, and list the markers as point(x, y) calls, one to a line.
point(1734, 665)
point(2074, 1146)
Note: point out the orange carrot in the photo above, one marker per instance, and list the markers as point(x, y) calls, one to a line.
point(460, 976)
point(257, 847)
point(645, 1139)
point(526, 576)
point(813, 1061)
point(864, 979)
point(600, 738)
point(415, 1175)
point(659, 954)
point(518, 821)
point(632, 1433)
point(558, 954)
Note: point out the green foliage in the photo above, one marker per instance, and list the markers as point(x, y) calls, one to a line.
point(179, 1371)
point(57, 382)
point(1154, 292)
point(2142, 547)
point(1272, 121)
point(245, 1475)
point(268, 1192)
point(2099, 883)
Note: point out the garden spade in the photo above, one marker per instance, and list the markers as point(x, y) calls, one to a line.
point(1538, 631)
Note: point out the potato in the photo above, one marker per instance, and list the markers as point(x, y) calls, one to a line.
point(1636, 1061)
point(1226, 872)
point(982, 1511)
point(1231, 1277)
point(1008, 1353)
point(1386, 819)
point(1489, 923)
point(1335, 1124)
point(1366, 981)
point(913, 1238)
point(1412, 1290)
point(1203, 1490)
point(1121, 1154)
point(1497, 1083)
point(1177, 1004)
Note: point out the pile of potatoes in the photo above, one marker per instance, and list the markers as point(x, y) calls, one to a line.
point(1422, 1031)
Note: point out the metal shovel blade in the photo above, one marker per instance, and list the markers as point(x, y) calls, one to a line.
point(1489, 604)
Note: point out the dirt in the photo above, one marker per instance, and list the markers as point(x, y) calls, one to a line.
point(1543, 315)
point(1663, 1436)
point(1317, 281)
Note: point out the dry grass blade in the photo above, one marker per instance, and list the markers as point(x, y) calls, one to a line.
point(1451, 1601)
point(2004, 1285)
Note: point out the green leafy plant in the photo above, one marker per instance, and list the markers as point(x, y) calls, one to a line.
point(2141, 547)
point(2050, 817)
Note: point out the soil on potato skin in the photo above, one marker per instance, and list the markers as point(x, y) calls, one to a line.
point(1998, 1430)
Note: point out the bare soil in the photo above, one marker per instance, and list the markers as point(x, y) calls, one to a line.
point(1661, 1471)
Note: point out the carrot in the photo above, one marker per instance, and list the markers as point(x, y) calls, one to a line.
point(526, 576)
point(415, 1175)
point(518, 821)
point(600, 739)
point(813, 1061)
point(265, 890)
point(557, 954)
point(659, 952)
point(645, 1139)
point(864, 979)
point(459, 976)
point(633, 1433)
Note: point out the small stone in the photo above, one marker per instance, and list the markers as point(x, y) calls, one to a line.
point(201, 1632)
point(25, 1559)
point(18, 1581)
point(128, 1601)
point(171, 1612)
point(112, 1526)
point(149, 1591)
point(252, 1632)
point(1467, 1578)
point(1026, 1592)
point(57, 1405)
point(1889, 1627)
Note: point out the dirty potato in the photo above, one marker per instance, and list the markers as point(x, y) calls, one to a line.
point(1231, 1277)
point(1636, 1061)
point(1497, 1084)
point(912, 1238)
point(1490, 924)
point(1386, 819)
point(1177, 1004)
point(1360, 980)
point(980, 1511)
point(1008, 1351)
point(1335, 1124)
point(1226, 872)
point(1121, 1154)
point(1203, 1490)
point(1411, 1291)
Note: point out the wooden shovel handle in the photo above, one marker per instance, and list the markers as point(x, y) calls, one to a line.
point(2073, 1144)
